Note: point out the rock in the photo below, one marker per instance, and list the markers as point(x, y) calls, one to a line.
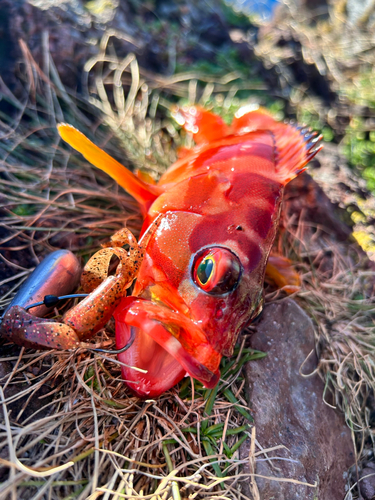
point(289, 410)
point(367, 483)
point(305, 197)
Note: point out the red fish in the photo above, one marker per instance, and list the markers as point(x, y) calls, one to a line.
point(216, 213)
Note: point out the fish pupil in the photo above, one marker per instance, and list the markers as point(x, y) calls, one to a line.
point(204, 270)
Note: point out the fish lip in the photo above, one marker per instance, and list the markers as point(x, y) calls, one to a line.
point(151, 318)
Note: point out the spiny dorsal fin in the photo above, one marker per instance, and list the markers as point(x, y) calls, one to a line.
point(295, 147)
point(203, 124)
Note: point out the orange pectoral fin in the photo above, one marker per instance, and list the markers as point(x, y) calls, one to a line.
point(142, 191)
point(281, 271)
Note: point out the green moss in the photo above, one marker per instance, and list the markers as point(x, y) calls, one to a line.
point(277, 108)
point(223, 62)
point(369, 175)
point(359, 148)
point(361, 89)
point(328, 134)
point(24, 210)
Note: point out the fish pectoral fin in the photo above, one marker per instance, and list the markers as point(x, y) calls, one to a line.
point(144, 192)
point(281, 271)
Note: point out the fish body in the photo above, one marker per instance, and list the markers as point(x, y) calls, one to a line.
point(216, 212)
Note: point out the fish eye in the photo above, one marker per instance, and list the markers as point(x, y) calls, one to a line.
point(216, 270)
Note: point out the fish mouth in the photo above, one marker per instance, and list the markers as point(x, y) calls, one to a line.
point(167, 344)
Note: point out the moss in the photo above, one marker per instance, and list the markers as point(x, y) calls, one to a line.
point(361, 89)
point(24, 210)
point(359, 148)
point(365, 240)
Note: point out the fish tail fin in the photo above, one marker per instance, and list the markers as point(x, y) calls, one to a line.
point(144, 192)
point(295, 145)
point(204, 125)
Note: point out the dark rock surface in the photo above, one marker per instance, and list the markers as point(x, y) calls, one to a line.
point(164, 35)
point(367, 481)
point(305, 197)
point(289, 410)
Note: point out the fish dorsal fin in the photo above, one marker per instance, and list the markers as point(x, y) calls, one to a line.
point(204, 125)
point(295, 146)
point(142, 191)
point(251, 118)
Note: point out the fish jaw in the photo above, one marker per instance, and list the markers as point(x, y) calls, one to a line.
point(168, 345)
point(160, 370)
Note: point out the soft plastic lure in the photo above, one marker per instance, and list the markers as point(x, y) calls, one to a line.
point(216, 212)
point(60, 273)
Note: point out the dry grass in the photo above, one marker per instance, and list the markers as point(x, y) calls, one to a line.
point(110, 441)
point(93, 438)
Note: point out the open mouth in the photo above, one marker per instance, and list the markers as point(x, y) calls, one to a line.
point(168, 345)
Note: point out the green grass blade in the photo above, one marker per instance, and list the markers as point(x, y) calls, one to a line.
point(231, 398)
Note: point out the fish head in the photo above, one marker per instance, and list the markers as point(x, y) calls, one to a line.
point(194, 293)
